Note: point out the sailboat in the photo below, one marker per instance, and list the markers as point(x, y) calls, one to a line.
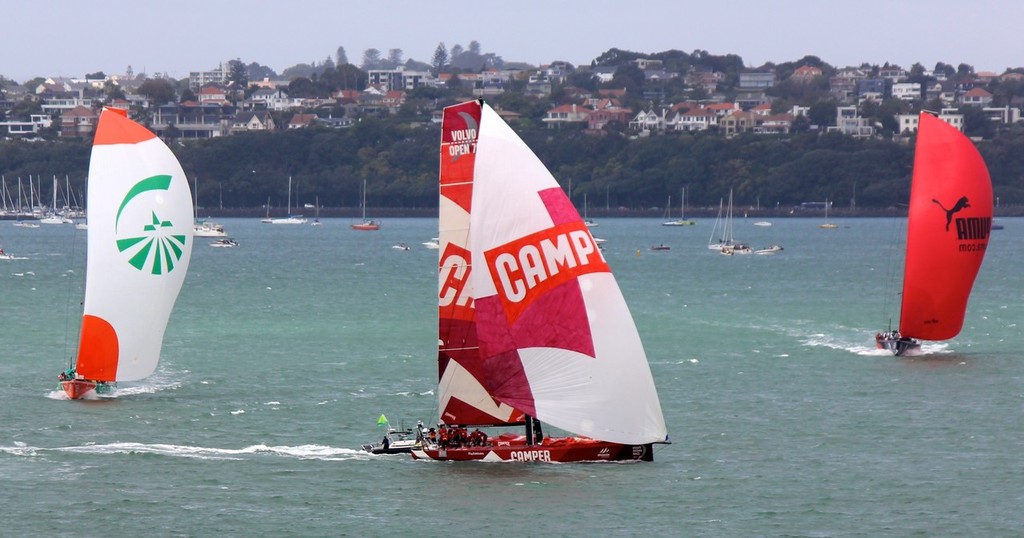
point(828, 225)
point(367, 225)
point(139, 247)
point(682, 220)
point(204, 228)
point(316, 218)
point(290, 219)
point(533, 328)
point(948, 227)
point(591, 223)
point(726, 244)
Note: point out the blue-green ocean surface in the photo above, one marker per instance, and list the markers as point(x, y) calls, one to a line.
point(281, 354)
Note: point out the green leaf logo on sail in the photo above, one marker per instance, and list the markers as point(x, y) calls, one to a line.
point(158, 249)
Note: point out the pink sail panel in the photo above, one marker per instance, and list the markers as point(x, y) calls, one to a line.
point(948, 228)
point(463, 397)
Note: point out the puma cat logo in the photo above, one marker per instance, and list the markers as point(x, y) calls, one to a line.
point(961, 204)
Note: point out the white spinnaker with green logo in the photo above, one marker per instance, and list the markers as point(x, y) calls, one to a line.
point(140, 244)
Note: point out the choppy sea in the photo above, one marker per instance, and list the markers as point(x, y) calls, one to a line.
point(281, 354)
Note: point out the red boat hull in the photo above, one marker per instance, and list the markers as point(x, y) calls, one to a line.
point(562, 450)
point(366, 227)
point(77, 388)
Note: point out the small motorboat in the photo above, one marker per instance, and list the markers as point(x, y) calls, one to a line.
point(226, 242)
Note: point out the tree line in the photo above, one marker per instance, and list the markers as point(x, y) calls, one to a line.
point(399, 162)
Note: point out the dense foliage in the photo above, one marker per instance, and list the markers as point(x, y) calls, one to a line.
point(399, 163)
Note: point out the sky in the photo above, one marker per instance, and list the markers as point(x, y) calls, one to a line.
point(70, 38)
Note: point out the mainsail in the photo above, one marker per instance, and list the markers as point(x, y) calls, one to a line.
point(140, 243)
point(531, 319)
point(948, 228)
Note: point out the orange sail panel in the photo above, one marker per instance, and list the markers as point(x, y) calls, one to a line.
point(948, 228)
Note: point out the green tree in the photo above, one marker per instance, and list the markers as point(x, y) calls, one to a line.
point(440, 59)
point(238, 73)
point(340, 58)
point(158, 91)
point(371, 59)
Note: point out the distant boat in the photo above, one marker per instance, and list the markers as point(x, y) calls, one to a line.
point(316, 218)
point(771, 249)
point(139, 247)
point(519, 344)
point(368, 225)
point(203, 228)
point(723, 227)
point(763, 224)
point(682, 220)
point(432, 244)
point(225, 242)
point(827, 225)
point(290, 219)
point(948, 225)
point(662, 246)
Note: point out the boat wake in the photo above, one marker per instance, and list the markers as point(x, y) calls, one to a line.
point(305, 452)
point(854, 341)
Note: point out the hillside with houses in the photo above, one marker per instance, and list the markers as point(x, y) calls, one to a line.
point(623, 96)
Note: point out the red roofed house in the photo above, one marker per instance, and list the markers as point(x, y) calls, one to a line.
point(976, 97)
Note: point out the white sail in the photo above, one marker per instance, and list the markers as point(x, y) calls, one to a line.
point(140, 244)
point(542, 291)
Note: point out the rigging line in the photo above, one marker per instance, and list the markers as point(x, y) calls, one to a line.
point(67, 301)
point(896, 246)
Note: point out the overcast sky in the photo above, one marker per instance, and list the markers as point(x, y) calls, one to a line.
point(74, 37)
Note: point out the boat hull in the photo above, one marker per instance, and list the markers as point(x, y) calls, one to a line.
point(368, 226)
point(568, 450)
point(77, 388)
point(897, 346)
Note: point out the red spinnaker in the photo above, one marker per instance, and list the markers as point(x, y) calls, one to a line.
point(947, 232)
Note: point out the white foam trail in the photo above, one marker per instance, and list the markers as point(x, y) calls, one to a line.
point(318, 452)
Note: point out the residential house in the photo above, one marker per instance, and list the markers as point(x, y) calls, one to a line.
point(893, 73)
point(844, 84)
point(906, 91)
point(908, 122)
point(78, 122)
point(976, 97)
point(25, 128)
point(805, 74)
point(603, 73)
point(256, 120)
point(774, 124)
point(737, 122)
point(598, 119)
point(538, 86)
point(751, 99)
point(647, 121)
point(1002, 114)
point(695, 119)
point(402, 79)
point(704, 80)
point(565, 115)
point(219, 75)
point(871, 89)
point(191, 120)
point(301, 121)
point(213, 94)
point(849, 123)
point(756, 79)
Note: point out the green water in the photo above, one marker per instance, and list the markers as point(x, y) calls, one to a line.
point(281, 354)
